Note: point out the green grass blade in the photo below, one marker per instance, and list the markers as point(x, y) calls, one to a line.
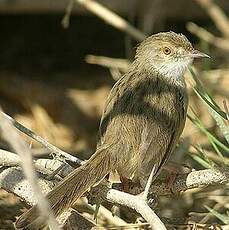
point(199, 125)
point(224, 218)
point(201, 161)
point(202, 158)
point(204, 95)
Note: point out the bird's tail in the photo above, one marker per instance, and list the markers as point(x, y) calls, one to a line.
point(70, 189)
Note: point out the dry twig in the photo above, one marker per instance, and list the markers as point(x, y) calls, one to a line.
point(12, 137)
point(111, 18)
point(11, 179)
point(122, 64)
point(60, 153)
point(221, 21)
point(138, 204)
point(217, 15)
point(107, 15)
point(66, 18)
point(203, 34)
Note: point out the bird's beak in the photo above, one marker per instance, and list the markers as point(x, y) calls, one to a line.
point(198, 54)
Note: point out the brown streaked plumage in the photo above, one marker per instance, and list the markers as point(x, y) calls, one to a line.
point(143, 118)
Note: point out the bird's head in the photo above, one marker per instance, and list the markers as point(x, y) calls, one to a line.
point(168, 53)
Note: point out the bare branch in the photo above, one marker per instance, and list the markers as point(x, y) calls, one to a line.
point(44, 166)
point(208, 37)
point(218, 16)
point(11, 179)
point(137, 203)
point(9, 159)
point(66, 18)
point(60, 153)
point(13, 138)
point(111, 18)
point(108, 62)
point(195, 179)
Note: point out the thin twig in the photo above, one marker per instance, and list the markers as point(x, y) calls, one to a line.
point(218, 16)
point(148, 184)
point(66, 18)
point(208, 37)
point(194, 179)
point(10, 180)
point(112, 18)
point(60, 153)
point(115, 73)
point(108, 62)
point(13, 138)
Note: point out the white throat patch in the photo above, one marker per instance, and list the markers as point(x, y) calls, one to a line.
point(175, 70)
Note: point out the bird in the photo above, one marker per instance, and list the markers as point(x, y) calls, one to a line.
point(142, 121)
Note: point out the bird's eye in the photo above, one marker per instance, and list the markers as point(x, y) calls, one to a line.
point(166, 50)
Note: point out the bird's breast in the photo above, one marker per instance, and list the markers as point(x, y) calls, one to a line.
point(151, 107)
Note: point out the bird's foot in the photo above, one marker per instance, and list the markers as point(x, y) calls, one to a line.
point(175, 171)
point(125, 184)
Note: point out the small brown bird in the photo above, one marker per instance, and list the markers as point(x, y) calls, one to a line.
point(143, 119)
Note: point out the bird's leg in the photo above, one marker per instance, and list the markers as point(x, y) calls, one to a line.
point(125, 183)
point(174, 171)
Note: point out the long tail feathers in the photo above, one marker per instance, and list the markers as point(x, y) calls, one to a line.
point(70, 189)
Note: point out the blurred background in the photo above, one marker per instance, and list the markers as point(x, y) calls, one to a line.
point(59, 60)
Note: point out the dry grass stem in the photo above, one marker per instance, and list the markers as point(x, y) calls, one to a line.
point(226, 110)
point(148, 184)
point(217, 15)
point(203, 34)
point(66, 18)
point(10, 134)
point(58, 152)
point(122, 64)
point(111, 18)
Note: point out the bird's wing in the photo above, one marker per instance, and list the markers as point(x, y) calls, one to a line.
point(113, 97)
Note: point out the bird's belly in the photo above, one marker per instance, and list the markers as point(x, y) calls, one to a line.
point(144, 133)
point(127, 139)
point(128, 168)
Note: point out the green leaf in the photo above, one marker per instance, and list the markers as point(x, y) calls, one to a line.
point(213, 140)
point(224, 218)
point(201, 161)
point(213, 108)
point(202, 158)
point(209, 163)
point(204, 95)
